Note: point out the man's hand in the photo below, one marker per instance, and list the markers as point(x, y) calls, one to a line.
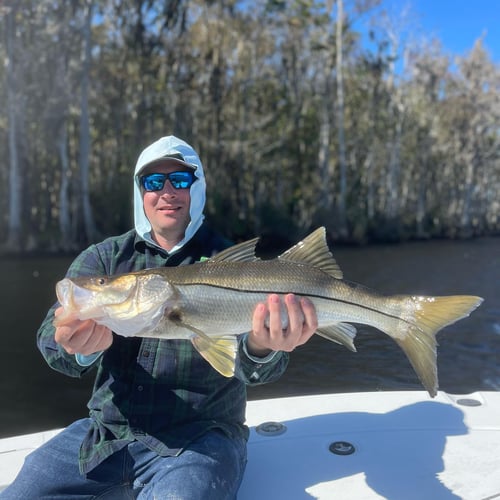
point(302, 323)
point(83, 337)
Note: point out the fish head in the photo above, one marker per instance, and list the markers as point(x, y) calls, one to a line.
point(88, 297)
point(127, 304)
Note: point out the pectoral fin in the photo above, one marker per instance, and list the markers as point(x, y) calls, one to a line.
point(220, 352)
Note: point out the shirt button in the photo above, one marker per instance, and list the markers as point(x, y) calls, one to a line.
point(140, 388)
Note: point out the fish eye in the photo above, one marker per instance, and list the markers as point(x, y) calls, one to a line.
point(101, 281)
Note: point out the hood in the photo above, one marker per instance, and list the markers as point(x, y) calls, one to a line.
point(170, 146)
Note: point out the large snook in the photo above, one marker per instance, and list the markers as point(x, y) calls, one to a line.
point(211, 302)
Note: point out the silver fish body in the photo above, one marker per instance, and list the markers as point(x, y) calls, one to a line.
point(212, 302)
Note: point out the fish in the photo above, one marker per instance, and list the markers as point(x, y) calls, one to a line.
point(211, 303)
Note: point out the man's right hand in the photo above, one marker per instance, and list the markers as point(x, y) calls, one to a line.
point(82, 337)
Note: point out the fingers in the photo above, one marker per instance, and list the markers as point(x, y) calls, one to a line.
point(295, 315)
point(302, 323)
point(84, 337)
point(258, 341)
point(275, 324)
point(310, 324)
point(62, 317)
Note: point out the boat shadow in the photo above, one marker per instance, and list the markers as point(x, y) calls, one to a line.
point(399, 454)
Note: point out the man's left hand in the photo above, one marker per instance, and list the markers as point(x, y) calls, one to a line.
point(267, 336)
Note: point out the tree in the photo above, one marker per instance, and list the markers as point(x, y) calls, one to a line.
point(13, 85)
point(84, 146)
point(340, 122)
point(297, 121)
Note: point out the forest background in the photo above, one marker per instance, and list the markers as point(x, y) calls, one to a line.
point(297, 120)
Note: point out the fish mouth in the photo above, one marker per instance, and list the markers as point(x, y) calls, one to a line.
point(72, 297)
point(65, 295)
point(80, 295)
point(75, 298)
point(63, 292)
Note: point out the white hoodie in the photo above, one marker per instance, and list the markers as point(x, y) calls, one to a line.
point(163, 148)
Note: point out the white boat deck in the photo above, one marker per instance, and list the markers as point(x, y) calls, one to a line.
point(392, 445)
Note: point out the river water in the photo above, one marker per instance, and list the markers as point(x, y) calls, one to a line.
point(34, 398)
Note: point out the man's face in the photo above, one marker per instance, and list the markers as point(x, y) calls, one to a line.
point(168, 209)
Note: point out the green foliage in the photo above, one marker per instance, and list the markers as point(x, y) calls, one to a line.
point(254, 90)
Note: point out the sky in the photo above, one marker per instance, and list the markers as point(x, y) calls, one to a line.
point(456, 23)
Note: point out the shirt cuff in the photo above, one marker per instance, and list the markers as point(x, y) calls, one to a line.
point(255, 359)
point(87, 360)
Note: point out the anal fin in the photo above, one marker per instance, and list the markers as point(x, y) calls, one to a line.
point(341, 333)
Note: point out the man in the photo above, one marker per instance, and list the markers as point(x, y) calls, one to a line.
point(163, 423)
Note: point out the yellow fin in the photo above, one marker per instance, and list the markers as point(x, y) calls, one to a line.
point(314, 251)
point(242, 252)
point(418, 342)
point(341, 333)
point(220, 352)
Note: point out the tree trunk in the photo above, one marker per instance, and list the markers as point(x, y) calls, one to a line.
point(88, 220)
point(64, 209)
point(324, 152)
point(340, 124)
point(15, 178)
point(325, 164)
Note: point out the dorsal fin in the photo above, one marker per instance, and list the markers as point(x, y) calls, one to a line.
point(242, 252)
point(314, 251)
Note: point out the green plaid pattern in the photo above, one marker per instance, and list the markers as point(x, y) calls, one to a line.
point(160, 392)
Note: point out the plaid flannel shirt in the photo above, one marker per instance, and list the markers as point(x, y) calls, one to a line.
point(160, 392)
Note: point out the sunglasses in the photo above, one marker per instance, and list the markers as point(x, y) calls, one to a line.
point(179, 180)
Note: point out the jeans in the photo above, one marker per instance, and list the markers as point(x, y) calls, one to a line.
point(210, 468)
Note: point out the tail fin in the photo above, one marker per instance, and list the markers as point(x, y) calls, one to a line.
point(428, 316)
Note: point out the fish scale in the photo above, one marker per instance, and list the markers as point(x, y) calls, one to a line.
point(210, 303)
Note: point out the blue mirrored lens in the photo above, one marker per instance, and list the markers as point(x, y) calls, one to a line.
point(153, 182)
point(179, 180)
